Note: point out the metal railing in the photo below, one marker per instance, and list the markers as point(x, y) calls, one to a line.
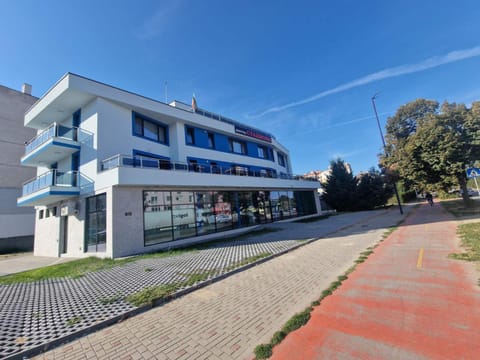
point(56, 131)
point(51, 178)
point(151, 163)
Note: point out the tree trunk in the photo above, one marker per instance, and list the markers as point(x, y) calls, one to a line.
point(462, 181)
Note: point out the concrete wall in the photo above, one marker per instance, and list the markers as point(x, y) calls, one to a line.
point(15, 223)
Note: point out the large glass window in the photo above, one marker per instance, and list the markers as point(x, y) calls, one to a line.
point(223, 210)
point(149, 129)
point(281, 159)
point(305, 202)
point(247, 211)
point(205, 212)
point(284, 205)
point(96, 235)
point(169, 216)
point(261, 200)
point(157, 217)
point(183, 214)
point(292, 202)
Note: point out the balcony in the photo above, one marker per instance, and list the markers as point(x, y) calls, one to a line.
point(50, 187)
point(53, 144)
point(143, 171)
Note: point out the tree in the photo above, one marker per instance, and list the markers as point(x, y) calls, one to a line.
point(372, 190)
point(432, 149)
point(340, 187)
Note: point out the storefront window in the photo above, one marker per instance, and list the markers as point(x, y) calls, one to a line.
point(205, 212)
point(284, 205)
point(223, 210)
point(292, 203)
point(157, 217)
point(183, 214)
point(174, 215)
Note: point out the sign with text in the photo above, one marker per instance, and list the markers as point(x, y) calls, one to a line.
point(253, 133)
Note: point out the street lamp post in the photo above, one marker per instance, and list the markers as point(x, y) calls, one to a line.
point(385, 150)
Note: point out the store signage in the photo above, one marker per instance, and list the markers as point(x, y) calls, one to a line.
point(253, 133)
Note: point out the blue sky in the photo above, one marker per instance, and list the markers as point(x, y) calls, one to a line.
point(302, 70)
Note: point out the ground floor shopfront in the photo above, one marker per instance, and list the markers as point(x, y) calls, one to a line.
point(125, 220)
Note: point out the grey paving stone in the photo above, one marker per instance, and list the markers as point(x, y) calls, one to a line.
point(37, 313)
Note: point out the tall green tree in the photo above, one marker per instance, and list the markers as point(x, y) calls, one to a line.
point(372, 190)
point(431, 148)
point(340, 187)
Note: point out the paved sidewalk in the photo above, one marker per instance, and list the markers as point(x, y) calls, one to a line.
point(15, 263)
point(407, 301)
point(227, 319)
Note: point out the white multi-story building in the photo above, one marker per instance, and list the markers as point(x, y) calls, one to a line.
point(16, 224)
point(121, 174)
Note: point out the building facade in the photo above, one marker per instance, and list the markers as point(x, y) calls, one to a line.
point(16, 224)
point(121, 174)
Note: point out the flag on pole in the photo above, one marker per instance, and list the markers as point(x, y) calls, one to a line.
point(194, 104)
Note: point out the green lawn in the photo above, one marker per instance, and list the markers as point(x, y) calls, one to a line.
point(458, 209)
point(77, 268)
point(470, 235)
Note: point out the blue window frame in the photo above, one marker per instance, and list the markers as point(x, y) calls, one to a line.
point(237, 146)
point(211, 140)
point(190, 136)
point(281, 159)
point(149, 129)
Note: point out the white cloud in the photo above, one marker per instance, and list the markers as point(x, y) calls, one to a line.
point(158, 21)
point(429, 63)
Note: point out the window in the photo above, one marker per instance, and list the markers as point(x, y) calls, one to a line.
point(149, 129)
point(47, 213)
point(96, 223)
point(237, 147)
point(262, 152)
point(40, 214)
point(211, 140)
point(190, 133)
point(281, 159)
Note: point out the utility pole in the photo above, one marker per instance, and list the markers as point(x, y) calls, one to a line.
point(385, 150)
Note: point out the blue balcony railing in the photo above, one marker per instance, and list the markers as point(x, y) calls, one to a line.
point(164, 164)
point(69, 179)
point(56, 131)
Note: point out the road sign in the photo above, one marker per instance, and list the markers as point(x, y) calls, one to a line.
point(473, 172)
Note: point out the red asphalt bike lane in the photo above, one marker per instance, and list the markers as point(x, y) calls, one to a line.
point(406, 301)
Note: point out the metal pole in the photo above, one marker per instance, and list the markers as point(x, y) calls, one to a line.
point(385, 150)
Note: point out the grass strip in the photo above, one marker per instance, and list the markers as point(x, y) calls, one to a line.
point(248, 260)
point(459, 209)
point(78, 268)
point(470, 241)
point(159, 292)
point(264, 351)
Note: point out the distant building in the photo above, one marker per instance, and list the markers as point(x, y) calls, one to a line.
point(121, 174)
point(16, 223)
point(322, 175)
